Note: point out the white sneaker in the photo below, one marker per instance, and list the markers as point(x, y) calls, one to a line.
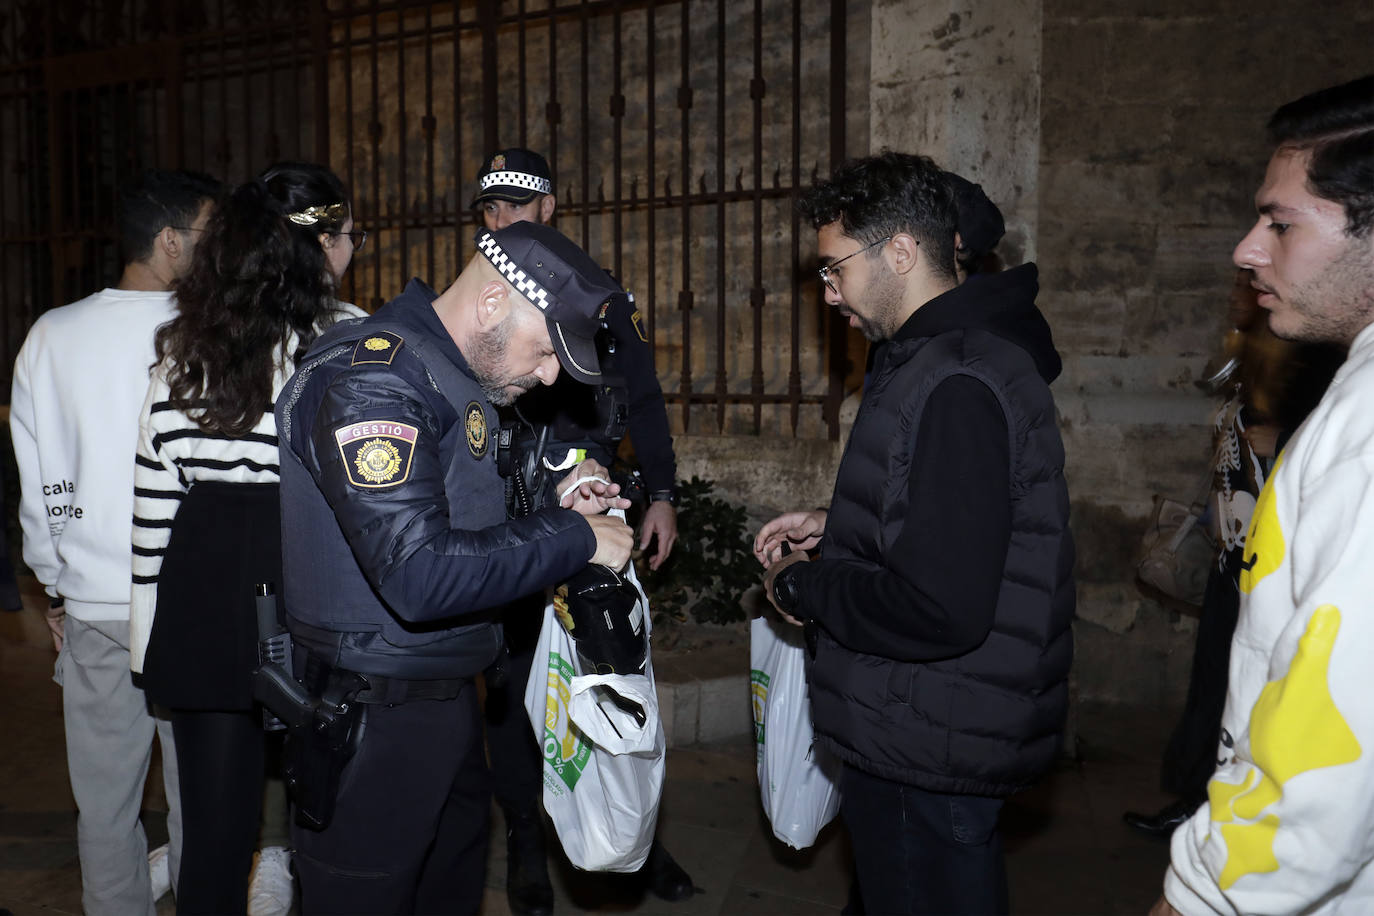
point(159, 871)
point(270, 889)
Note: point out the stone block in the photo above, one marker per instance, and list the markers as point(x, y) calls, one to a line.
point(1193, 191)
point(1081, 252)
point(1094, 131)
point(1117, 193)
point(1140, 665)
point(1106, 540)
point(1165, 322)
point(1084, 321)
point(678, 706)
point(1074, 60)
point(725, 710)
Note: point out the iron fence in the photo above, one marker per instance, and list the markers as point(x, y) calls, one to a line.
point(680, 134)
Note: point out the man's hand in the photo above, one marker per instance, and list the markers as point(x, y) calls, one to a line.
point(57, 616)
point(660, 521)
point(796, 556)
point(590, 497)
point(614, 539)
point(1162, 907)
point(800, 530)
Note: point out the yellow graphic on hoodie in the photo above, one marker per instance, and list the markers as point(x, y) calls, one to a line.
point(1264, 544)
point(1294, 727)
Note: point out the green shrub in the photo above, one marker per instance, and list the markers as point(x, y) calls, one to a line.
point(711, 565)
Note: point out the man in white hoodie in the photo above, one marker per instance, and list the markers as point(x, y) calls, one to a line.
point(79, 384)
point(1287, 825)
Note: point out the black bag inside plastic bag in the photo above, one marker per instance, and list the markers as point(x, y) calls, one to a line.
point(602, 612)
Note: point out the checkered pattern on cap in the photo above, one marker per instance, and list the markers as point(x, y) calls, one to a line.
point(511, 179)
point(523, 282)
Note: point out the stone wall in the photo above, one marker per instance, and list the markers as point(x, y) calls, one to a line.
point(1151, 148)
point(1124, 141)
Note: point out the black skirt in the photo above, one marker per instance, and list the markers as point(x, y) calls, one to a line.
point(226, 539)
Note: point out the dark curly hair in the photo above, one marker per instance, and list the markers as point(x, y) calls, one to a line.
point(879, 196)
point(1336, 125)
point(256, 277)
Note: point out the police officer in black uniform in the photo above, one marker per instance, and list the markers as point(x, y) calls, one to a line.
point(398, 554)
point(516, 185)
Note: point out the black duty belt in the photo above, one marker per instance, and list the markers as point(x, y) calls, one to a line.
point(388, 691)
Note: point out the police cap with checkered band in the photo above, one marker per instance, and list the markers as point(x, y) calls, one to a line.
point(517, 175)
point(559, 279)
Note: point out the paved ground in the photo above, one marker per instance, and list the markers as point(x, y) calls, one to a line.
point(1068, 852)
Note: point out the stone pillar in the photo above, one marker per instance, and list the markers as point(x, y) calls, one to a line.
point(960, 81)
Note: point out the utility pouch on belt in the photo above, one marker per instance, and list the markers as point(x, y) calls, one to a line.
point(318, 748)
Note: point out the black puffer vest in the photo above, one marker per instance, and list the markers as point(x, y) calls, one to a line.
point(987, 722)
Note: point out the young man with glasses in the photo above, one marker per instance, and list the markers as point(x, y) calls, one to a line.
point(937, 611)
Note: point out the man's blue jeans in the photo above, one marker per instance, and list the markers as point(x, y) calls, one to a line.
point(923, 852)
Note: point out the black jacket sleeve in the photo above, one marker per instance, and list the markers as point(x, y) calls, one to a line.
point(648, 419)
point(402, 536)
point(936, 593)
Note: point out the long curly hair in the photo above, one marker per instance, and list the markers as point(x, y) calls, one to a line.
point(258, 276)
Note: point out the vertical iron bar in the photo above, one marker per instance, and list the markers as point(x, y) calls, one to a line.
point(269, 44)
point(296, 79)
point(617, 123)
point(403, 196)
point(794, 363)
point(319, 37)
point(173, 94)
point(375, 128)
point(458, 138)
point(684, 101)
point(554, 113)
point(522, 76)
point(350, 166)
point(488, 12)
point(756, 295)
point(650, 175)
point(429, 126)
point(224, 154)
point(839, 357)
point(721, 383)
point(249, 166)
point(585, 127)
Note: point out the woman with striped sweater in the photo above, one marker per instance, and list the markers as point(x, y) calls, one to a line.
point(206, 516)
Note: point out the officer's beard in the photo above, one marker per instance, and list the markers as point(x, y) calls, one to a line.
point(488, 362)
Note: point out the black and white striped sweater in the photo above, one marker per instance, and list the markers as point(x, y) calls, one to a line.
point(173, 454)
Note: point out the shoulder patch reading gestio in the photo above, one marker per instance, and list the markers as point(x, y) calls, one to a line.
point(376, 453)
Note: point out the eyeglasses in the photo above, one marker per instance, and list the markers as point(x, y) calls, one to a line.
point(187, 228)
point(358, 237)
point(829, 270)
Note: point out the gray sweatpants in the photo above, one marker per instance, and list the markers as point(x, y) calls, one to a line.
point(109, 749)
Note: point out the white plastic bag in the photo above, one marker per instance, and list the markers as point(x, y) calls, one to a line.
point(603, 770)
point(798, 780)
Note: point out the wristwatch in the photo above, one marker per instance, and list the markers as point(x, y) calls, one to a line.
point(668, 496)
point(785, 594)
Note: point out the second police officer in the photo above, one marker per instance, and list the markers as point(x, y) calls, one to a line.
point(516, 185)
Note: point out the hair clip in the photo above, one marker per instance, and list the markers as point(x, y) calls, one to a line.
point(331, 213)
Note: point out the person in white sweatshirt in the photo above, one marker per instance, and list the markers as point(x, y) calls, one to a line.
point(78, 388)
point(1287, 825)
